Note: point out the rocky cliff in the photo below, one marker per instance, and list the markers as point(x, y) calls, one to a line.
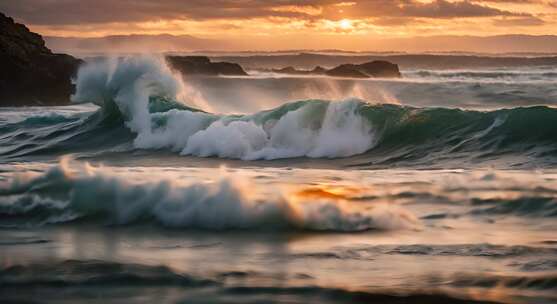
point(30, 73)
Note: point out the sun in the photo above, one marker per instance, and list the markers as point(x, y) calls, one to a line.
point(345, 24)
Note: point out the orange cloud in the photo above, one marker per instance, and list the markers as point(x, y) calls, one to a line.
point(289, 22)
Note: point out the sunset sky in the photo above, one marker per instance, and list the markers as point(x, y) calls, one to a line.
point(284, 23)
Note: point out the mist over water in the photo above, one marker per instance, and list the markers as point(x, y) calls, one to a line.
point(472, 89)
point(436, 188)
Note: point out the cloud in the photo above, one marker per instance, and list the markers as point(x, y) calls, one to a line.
point(72, 12)
point(247, 20)
point(520, 21)
point(436, 9)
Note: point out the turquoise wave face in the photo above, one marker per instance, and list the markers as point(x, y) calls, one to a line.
point(380, 134)
point(434, 134)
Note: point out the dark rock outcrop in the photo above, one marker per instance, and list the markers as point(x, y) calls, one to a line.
point(346, 70)
point(378, 68)
point(201, 65)
point(30, 73)
point(383, 69)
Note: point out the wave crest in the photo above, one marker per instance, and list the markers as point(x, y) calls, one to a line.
point(141, 109)
point(130, 85)
point(67, 193)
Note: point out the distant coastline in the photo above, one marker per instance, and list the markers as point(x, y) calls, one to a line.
point(408, 61)
point(501, 45)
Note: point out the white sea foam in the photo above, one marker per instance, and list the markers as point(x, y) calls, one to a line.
point(128, 83)
point(75, 190)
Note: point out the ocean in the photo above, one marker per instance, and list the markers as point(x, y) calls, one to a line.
point(440, 187)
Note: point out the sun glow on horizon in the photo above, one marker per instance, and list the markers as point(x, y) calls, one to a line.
point(275, 25)
point(345, 24)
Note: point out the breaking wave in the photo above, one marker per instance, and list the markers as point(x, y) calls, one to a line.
point(67, 193)
point(143, 106)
